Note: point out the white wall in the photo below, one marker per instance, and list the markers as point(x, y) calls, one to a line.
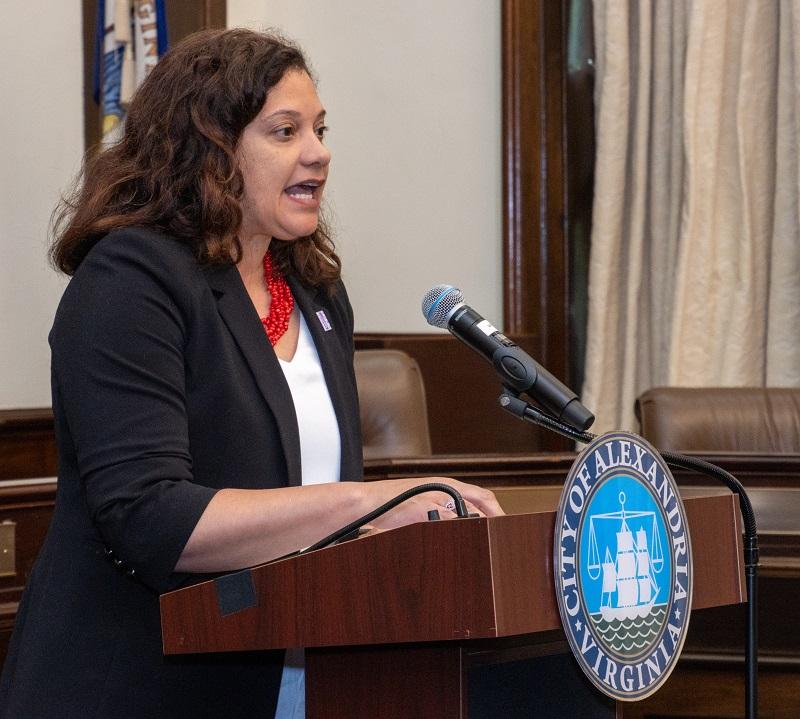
point(41, 126)
point(413, 93)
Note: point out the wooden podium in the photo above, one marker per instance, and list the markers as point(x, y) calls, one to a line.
point(437, 619)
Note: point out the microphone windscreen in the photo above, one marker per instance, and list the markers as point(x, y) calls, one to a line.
point(439, 302)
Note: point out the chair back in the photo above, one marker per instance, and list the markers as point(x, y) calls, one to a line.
point(394, 413)
point(721, 419)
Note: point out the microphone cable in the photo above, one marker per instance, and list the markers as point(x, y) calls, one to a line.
point(460, 509)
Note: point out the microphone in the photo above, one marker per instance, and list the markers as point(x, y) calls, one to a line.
point(444, 307)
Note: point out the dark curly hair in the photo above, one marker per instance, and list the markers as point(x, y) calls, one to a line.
point(175, 168)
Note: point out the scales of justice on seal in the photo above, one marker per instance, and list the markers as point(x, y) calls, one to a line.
point(622, 554)
point(629, 591)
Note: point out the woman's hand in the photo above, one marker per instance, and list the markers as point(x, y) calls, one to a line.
point(478, 500)
point(245, 527)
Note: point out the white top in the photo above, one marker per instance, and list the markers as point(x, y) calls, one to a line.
point(320, 461)
point(320, 444)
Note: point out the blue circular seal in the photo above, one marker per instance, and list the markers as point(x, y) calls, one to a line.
point(623, 566)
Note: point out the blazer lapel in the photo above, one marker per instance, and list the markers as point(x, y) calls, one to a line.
point(336, 365)
point(242, 320)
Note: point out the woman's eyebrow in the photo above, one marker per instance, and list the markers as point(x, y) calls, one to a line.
point(293, 114)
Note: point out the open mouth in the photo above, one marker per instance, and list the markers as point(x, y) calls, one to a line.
point(304, 190)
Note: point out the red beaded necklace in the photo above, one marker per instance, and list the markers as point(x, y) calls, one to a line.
point(280, 309)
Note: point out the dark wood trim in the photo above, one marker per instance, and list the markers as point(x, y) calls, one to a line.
point(760, 471)
point(579, 131)
point(518, 175)
point(188, 16)
point(535, 267)
point(215, 13)
point(91, 112)
point(548, 177)
point(15, 420)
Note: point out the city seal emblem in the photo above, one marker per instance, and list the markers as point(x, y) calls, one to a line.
point(623, 566)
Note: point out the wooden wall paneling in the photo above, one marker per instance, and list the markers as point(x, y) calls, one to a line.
point(523, 477)
point(27, 444)
point(716, 691)
point(183, 18)
point(30, 508)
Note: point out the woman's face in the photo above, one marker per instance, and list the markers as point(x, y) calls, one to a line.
point(284, 162)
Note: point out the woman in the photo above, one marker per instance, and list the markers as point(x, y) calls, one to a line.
point(203, 386)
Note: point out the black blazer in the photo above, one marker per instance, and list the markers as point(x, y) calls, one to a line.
point(165, 390)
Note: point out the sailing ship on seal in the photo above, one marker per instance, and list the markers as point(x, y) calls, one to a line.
point(629, 586)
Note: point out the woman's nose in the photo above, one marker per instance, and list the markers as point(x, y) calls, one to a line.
point(315, 152)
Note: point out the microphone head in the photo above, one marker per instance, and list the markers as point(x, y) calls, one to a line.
point(438, 304)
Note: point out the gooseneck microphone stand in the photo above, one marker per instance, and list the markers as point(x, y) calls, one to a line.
point(517, 406)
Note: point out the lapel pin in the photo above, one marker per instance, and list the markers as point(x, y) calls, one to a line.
point(323, 320)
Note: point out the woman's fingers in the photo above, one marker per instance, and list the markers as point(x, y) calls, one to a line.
point(478, 500)
point(479, 497)
point(485, 502)
point(472, 509)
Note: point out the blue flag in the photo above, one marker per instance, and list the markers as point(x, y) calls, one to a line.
point(130, 37)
